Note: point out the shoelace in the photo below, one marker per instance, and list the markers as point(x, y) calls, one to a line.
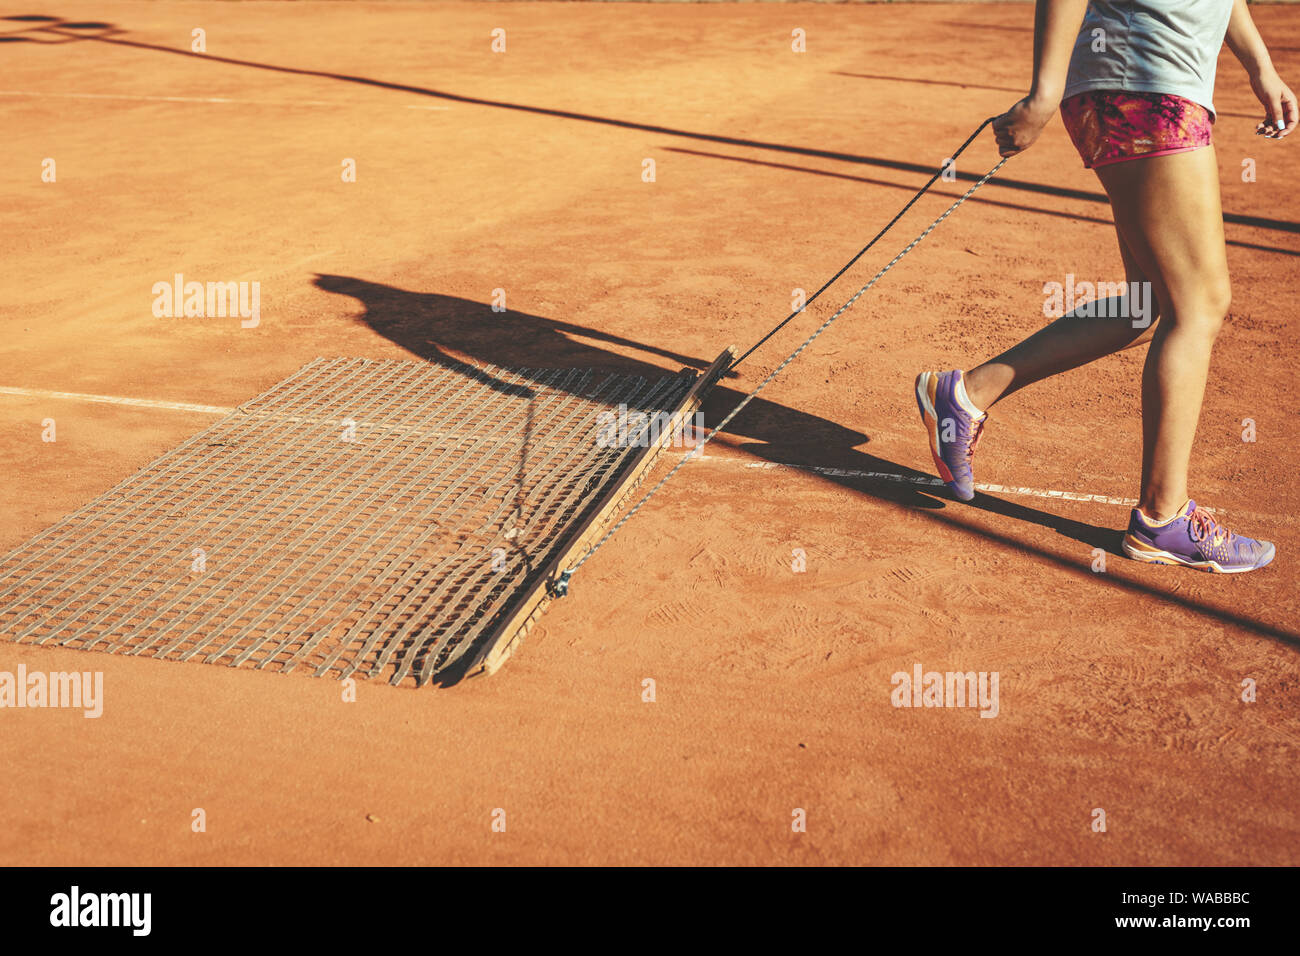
point(1203, 525)
point(975, 439)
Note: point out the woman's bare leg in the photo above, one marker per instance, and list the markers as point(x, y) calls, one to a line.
point(1067, 343)
point(1168, 210)
point(1170, 224)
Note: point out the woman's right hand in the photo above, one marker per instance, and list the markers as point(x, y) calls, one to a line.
point(1280, 112)
point(1018, 127)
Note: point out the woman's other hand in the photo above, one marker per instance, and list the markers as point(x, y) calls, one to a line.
point(1018, 127)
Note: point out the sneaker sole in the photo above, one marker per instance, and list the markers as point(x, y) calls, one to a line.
point(1149, 555)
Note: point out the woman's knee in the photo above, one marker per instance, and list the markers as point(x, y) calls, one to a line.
point(1219, 301)
point(1204, 310)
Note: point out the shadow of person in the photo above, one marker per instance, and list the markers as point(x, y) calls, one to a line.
point(448, 331)
point(456, 333)
point(1108, 539)
point(427, 324)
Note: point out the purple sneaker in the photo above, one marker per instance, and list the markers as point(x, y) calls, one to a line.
point(1194, 539)
point(954, 432)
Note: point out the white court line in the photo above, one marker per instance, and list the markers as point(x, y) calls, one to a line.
point(923, 481)
point(222, 410)
point(116, 400)
point(926, 481)
point(200, 99)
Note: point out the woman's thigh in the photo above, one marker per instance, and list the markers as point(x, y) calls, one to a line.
point(1170, 220)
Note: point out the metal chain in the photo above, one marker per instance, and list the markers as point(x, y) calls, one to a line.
point(560, 585)
point(861, 252)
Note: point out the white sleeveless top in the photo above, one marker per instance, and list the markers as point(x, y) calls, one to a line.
point(1150, 46)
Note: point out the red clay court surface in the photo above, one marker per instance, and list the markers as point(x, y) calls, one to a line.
point(522, 171)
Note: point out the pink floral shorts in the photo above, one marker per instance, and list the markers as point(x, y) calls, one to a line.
point(1110, 126)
